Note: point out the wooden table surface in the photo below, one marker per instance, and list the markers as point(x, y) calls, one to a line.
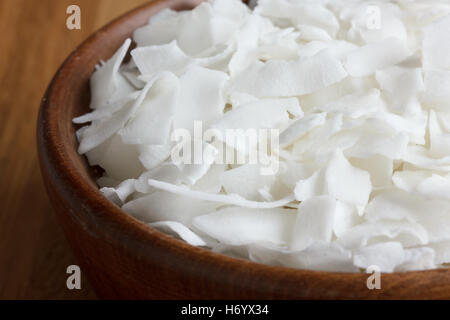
point(34, 41)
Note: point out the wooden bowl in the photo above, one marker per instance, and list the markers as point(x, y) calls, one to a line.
point(126, 259)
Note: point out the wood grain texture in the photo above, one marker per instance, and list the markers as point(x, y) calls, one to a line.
point(34, 41)
point(125, 258)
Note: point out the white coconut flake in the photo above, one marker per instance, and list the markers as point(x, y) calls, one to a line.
point(278, 78)
point(201, 96)
point(221, 198)
point(162, 206)
point(362, 234)
point(356, 105)
point(387, 256)
point(300, 127)
point(239, 226)
point(152, 121)
point(437, 93)
point(180, 230)
point(104, 81)
point(338, 179)
point(402, 87)
point(319, 256)
point(246, 181)
point(417, 259)
point(372, 57)
point(315, 221)
point(154, 59)
point(436, 44)
point(432, 215)
point(152, 155)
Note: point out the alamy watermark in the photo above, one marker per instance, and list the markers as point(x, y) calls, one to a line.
point(373, 15)
point(227, 146)
point(73, 21)
point(374, 280)
point(74, 279)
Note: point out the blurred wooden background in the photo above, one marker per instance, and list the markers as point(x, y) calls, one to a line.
point(34, 41)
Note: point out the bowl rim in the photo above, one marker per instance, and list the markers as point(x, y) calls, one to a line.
point(55, 154)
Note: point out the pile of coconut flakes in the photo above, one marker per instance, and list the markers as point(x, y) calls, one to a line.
point(360, 93)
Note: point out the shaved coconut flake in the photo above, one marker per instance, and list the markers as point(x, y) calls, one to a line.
point(435, 187)
point(346, 217)
point(290, 78)
point(102, 113)
point(246, 181)
point(278, 44)
point(439, 140)
point(319, 136)
point(202, 98)
point(356, 105)
point(108, 182)
point(240, 226)
point(180, 230)
point(408, 233)
point(334, 92)
point(427, 184)
point(152, 155)
point(319, 256)
point(266, 113)
point(402, 87)
point(195, 169)
point(392, 146)
point(414, 125)
point(347, 183)
point(372, 57)
point(122, 191)
point(300, 127)
point(211, 180)
point(387, 256)
point(162, 206)
point(154, 59)
point(442, 252)
point(408, 180)
point(119, 160)
point(313, 186)
point(310, 33)
point(437, 94)
point(364, 27)
point(214, 29)
point(101, 130)
point(237, 99)
point(248, 118)
point(417, 259)
point(159, 31)
point(152, 121)
point(315, 221)
point(225, 199)
point(436, 45)
point(104, 81)
point(167, 172)
point(433, 215)
point(339, 179)
point(296, 171)
point(308, 13)
point(420, 157)
point(338, 48)
point(379, 167)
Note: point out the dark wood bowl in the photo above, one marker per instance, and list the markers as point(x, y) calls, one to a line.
point(124, 258)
